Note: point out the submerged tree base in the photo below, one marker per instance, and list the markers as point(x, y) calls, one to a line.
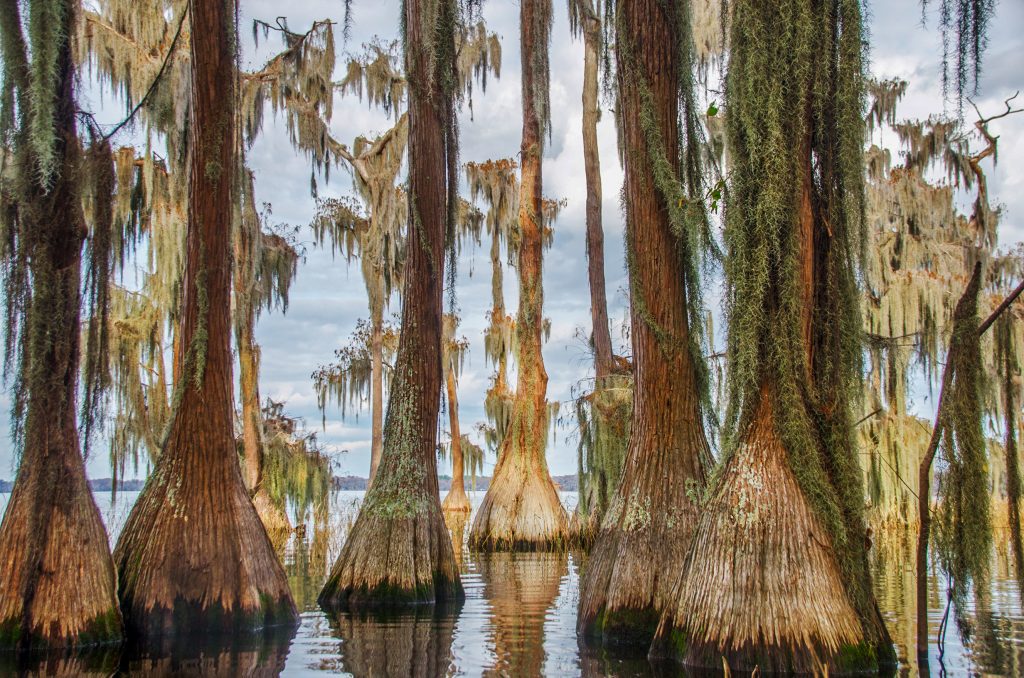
point(520, 512)
point(456, 501)
point(194, 558)
point(54, 559)
point(762, 588)
point(394, 557)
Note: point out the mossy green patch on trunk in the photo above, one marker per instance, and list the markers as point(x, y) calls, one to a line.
point(104, 629)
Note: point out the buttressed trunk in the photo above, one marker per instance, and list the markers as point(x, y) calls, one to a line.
point(253, 441)
point(648, 526)
point(57, 585)
point(399, 550)
point(456, 500)
point(521, 508)
point(193, 554)
point(776, 577)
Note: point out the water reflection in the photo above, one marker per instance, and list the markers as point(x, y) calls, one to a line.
point(518, 619)
point(256, 654)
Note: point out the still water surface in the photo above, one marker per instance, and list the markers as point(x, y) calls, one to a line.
point(518, 619)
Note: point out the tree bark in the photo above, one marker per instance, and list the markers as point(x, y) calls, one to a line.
point(377, 403)
point(275, 520)
point(521, 509)
point(762, 586)
point(399, 550)
point(603, 361)
point(648, 527)
point(193, 554)
point(456, 500)
point(57, 584)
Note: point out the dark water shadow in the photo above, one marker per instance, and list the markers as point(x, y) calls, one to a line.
point(393, 643)
point(101, 661)
point(262, 653)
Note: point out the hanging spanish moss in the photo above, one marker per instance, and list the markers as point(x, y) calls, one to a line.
point(496, 182)
point(57, 583)
point(963, 535)
point(794, 233)
point(964, 25)
point(647, 527)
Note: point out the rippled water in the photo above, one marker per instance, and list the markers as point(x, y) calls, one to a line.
point(518, 620)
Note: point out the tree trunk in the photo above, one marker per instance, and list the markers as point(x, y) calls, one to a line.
point(57, 584)
point(275, 520)
point(193, 554)
point(456, 500)
point(603, 362)
point(521, 509)
point(762, 586)
point(399, 550)
point(377, 405)
point(648, 527)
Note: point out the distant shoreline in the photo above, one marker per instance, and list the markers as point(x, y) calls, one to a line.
point(567, 483)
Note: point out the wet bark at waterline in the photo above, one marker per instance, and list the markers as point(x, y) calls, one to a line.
point(57, 583)
point(643, 540)
point(399, 550)
point(521, 509)
point(193, 554)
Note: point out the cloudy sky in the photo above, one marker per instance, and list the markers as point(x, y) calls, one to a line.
point(328, 296)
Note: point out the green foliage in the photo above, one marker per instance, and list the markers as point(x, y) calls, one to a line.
point(604, 417)
point(794, 101)
point(296, 471)
point(963, 529)
point(347, 381)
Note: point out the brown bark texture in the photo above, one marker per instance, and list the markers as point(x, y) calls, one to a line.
point(377, 394)
point(762, 587)
point(603, 361)
point(399, 550)
point(275, 520)
point(777, 602)
point(57, 583)
point(521, 509)
point(456, 500)
point(646, 531)
point(193, 554)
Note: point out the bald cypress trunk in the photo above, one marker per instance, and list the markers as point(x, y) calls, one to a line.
point(57, 585)
point(603, 361)
point(193, 554)
point(377, 391)
point(253, 441)
point(399, 550)
point(456, 500)
point(777, 578)
point(646, 531)
point(521, 508)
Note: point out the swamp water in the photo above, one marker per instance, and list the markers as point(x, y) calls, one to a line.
point(518, 619)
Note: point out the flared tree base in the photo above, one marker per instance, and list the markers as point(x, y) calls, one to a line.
point(520, 512)
point(57, 585)
point(456, 501)
point(194, 557)
point(762, 588)
point(634, 565)
point(394, 560)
